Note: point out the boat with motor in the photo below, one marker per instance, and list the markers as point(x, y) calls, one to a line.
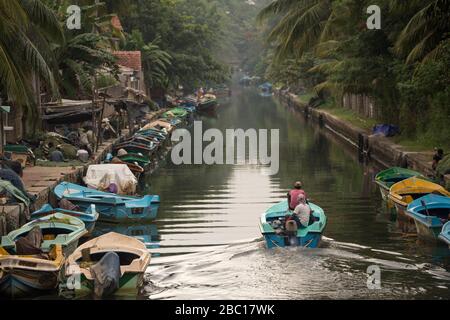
point(111, 207)
point(278, 232)
point(120, 259)
point(430, 214)
point(387, 178)
point(406, 191)
point(89, 216)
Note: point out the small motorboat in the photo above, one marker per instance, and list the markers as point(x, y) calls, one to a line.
point(111, 207)
point(89, 217)
point(406, 191)
point(180, 113)
point(22, 276)
point(276, 233)
point(112, 264)
point(159, 123)
point(133, 147)
point(136, 158)
point(445, 234)
point(104, 177)
point(387, 178)
point(57, 229)
point(135, 168)
point(430, 213)
point(206, 103)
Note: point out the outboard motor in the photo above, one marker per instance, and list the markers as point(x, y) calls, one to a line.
point(291, 232)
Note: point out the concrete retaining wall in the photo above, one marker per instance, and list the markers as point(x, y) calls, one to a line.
point(377, 148)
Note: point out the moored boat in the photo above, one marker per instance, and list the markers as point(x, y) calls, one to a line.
point(89, 216)
point(430, 213)
point(445, 234)
point(104, 177)
point(273, 222)
point(24, 275)
point(56, 229)
point(406, 191)
point(387, 178)
point(124, 259)
point(111, 207)
point(207, 103)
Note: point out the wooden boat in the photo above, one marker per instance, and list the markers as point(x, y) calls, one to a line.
point(134, 260)
point(176, 113)
point(57, 229)
point(445, 234)
point(111, 207)
point(89, 217)
point(136, 169)
point(387, 178)
point(159, 123)
point(430, 213)
point(23, 276)
point(206, 104)
point(406, 191)
point(102, 176)
point(272, 228)
point(141, 160)
point(133, 147)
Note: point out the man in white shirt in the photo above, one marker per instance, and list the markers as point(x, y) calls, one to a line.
point(302, 212)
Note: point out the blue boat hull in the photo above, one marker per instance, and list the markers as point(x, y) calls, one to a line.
point(22, 284)
point(120, 212)
point(311, 240)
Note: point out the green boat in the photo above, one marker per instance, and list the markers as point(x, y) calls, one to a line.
point(176, 113)
point(141, 160)
point(387, 178)
point(57, 229)
point(126, 256)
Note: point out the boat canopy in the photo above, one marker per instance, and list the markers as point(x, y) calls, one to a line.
point(102, 176)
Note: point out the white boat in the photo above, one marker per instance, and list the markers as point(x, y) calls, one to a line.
point(93, 264)
point(107, 177)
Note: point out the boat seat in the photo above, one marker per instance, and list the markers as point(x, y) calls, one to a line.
point(49, 237)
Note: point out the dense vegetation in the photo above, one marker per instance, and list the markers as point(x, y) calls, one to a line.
point(325, 45)
point(183, 43)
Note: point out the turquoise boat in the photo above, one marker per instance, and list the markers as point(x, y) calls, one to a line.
point(111, 207)
point(57, 229)
point(89, 217)
point(445, 234)
point(387, 178)
point(273, 221)
point(430, 213)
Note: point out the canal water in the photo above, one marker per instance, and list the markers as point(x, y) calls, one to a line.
point(206, 242)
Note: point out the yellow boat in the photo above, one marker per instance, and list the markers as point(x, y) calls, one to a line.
point(22, 276)
point(406, 191)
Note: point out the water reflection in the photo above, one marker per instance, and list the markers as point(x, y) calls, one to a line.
point(208, 222)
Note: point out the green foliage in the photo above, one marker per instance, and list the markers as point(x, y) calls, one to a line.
point(403, 67)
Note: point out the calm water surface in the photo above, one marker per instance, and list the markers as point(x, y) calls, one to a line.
point(206, 242)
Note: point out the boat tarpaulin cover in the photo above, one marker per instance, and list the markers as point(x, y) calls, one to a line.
point(106, 275)
point(386, 130)
point(103, 176)
point(31, 244)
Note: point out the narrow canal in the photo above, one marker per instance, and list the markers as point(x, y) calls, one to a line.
point(206, 242)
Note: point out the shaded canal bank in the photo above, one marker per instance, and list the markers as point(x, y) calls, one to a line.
point(377, 148)
point(206, 240)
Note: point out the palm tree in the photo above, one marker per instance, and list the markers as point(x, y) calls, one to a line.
point(300, 27)
point(26, 29)
point(425, 34)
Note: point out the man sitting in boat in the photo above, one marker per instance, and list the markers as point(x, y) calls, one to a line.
point(302, 212)
point(293, 195)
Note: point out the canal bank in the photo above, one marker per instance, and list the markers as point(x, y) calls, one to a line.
point(380, 149)
point(40, 181)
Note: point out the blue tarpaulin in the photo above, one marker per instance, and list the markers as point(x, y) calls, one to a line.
point(386, 130)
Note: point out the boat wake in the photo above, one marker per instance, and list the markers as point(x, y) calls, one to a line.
point(247, 270)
